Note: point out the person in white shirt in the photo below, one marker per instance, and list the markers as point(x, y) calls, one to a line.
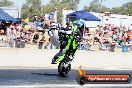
point(13, 37)
point(130, 27)
point(9, 32)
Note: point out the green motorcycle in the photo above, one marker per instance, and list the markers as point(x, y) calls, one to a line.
point(69, 41)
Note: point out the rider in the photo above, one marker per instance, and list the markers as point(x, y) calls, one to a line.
point(70, 41)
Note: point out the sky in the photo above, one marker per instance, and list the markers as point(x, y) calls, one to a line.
point(108, 3)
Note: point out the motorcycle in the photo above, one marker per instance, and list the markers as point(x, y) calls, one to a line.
point(68, 47)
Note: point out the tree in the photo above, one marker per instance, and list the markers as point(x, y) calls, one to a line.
point(96, 6)
point(34, 7)
point(6, 3)
point(30, 8)
point(59, 5)
point(124, 9)
point(127, 8)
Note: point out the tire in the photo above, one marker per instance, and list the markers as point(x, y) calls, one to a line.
point(63, 72)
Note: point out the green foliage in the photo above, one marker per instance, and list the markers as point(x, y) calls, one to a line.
point(30, 8)
point(95, 6)
point(6, 3)
point(34, 7)
point(59, 5)
point(126, 9)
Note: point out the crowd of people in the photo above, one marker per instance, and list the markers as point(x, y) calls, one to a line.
point(17, 35)
point(107, 37)
point(110, 35)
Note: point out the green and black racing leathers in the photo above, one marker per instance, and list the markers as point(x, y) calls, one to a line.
point(69, 41)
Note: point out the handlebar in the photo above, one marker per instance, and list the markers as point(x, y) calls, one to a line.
point(65, 32)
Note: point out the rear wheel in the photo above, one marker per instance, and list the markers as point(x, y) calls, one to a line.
point(64, 71)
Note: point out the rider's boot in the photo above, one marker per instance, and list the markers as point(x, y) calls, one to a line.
point(57, 57)
point(54, 60)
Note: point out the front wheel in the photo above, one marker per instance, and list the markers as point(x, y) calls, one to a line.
point(64, 71)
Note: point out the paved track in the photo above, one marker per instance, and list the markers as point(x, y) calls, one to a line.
point(39, 78)
point(14, 64)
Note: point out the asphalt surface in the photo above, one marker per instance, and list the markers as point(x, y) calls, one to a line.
point(40, 78)
point(42, 74)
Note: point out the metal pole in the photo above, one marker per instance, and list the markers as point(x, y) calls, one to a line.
point(18, 13)
point(18, 9)
point(41, 9)
point(101, 7)
point(101, 11)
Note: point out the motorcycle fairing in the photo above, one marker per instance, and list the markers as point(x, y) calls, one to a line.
point(62, 53)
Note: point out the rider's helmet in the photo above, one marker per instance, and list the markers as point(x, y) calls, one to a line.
point(77, 27)
point(78, 22)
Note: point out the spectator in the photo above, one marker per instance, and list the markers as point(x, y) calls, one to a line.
point(13, 37)
point(41, 41)
point(35, 37)
point(9, 32)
